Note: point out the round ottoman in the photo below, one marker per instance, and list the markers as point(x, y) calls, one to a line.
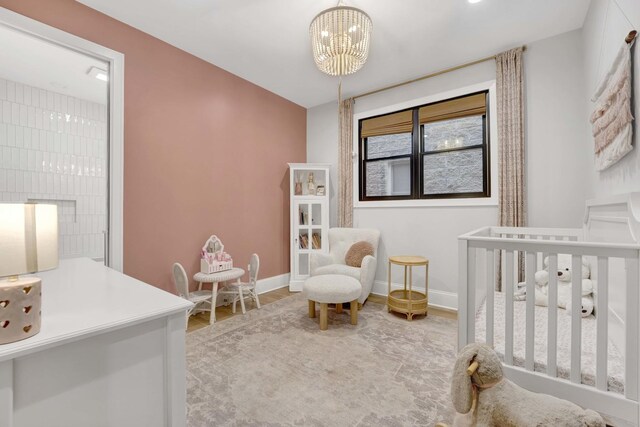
point(332, 289)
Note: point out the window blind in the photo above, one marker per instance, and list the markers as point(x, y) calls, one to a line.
point(389, 124)
point(473, 105)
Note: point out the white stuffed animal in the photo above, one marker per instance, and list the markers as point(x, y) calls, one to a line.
point(483, 397)
point(564, 286)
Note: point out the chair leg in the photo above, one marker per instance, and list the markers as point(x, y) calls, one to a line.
point(354, 312)
point(339, 307)
point(323, 316)
point(235, 300)
point(241, 295)
point(255, 294)
point(312, 309)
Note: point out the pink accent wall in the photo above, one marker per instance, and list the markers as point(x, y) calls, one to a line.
point(205, 151)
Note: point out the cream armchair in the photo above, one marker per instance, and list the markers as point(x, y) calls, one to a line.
point(340, 240)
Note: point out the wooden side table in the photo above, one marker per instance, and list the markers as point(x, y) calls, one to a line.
point(405, 301)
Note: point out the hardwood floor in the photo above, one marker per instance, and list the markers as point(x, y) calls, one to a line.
point(224, 312)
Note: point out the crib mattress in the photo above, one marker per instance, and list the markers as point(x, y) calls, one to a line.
point(615, 369)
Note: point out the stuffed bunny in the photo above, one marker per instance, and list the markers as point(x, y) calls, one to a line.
point(483, 397)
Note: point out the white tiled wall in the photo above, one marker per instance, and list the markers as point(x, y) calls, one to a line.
point(53, 149)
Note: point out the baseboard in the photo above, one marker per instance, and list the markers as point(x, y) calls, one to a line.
point(263, 286)
point(272, 283)
point(439, 299)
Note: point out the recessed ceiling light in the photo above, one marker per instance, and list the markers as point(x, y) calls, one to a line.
point(98, 74)
point(474, 1)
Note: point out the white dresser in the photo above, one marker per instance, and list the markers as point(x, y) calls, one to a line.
point(111, 352)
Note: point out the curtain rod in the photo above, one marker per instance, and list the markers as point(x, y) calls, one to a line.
point(428, 76)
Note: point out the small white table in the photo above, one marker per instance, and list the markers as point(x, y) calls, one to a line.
point(214, 279)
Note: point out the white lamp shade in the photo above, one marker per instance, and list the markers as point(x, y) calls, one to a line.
point(28, 238)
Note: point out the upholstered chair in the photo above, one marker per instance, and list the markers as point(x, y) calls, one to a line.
point(340, 240)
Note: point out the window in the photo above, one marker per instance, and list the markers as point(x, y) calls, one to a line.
point(439, 150)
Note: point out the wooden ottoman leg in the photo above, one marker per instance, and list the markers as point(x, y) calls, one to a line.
point(312, 309)
point(339, 307)
point(354, 312)
point(323, 316)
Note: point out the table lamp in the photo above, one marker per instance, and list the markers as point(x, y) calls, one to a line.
point(28, 243)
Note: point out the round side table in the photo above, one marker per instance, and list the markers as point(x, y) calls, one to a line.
point(408, 301)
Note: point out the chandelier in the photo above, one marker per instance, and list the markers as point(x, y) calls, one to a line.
point(340, 39)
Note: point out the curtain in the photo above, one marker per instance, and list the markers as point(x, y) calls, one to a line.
point(345, 164)
point(510, 93)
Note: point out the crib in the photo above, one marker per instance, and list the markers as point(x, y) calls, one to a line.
point(592, 361)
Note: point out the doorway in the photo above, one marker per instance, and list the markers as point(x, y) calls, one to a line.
point(61, 133)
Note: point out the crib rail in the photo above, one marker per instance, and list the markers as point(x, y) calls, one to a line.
point(492, 255)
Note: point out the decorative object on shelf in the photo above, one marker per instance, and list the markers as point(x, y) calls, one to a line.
point(213, 257)
point(311, 185)
point(340, 38)
point(316, 241)
point(28, 244)
point(320, 190)
point(612, 118)
point(298, 186)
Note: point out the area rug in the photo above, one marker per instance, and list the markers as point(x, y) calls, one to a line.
point(274, 367)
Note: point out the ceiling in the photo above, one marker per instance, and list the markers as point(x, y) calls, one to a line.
point(267, 41)
point(50, 67)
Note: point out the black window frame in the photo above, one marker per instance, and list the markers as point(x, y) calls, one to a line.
point(417, 158)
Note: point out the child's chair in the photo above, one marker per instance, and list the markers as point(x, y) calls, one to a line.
point(201, 299)
point(242, 290)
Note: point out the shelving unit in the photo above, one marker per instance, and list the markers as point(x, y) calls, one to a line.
point(309, 218)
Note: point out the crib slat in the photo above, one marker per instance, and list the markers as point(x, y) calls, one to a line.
point(472, 282)
point(602, 314)
point(552, 316)
point(576, 319)
point(631, 330)
point(490, 255)
point(530, 266)
point(508, 315)
point(464, 308)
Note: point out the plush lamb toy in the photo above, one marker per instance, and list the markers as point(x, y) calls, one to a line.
point(482, 397)
point(564, 286)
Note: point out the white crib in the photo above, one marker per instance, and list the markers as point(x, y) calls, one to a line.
point(609, 240)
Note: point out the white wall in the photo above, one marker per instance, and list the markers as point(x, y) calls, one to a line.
point(555, 155)
point(554, 174)
point(604, 31)
point(606, 26)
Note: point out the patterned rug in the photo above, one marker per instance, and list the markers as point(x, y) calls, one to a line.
point(274, 367)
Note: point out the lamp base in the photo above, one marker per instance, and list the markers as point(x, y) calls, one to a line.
point(20, 303)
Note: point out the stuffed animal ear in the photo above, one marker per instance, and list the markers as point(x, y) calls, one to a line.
point(461, 391)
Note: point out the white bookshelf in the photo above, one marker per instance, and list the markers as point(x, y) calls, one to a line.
point(309, 218)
